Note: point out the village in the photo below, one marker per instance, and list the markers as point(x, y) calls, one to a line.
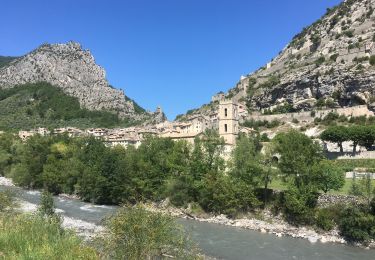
point(225, 121)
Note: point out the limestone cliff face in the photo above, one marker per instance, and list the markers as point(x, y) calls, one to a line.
point(72, 69)
point(328, 61)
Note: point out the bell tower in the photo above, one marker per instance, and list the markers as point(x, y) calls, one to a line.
point(228, 121)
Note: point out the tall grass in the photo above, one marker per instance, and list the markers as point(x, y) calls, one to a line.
point(34, 237)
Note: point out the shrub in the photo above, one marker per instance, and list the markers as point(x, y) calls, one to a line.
point(372, 60)
point(271, 82)
point(47, 206)
point(282, 109)
point(320, 102)
point(349, 33)
point(6, 201)
point(330, 118)
point(295, 121)
point(324, 219)
point(264, 138)
point(319, 61)
point(330, 103)
point(135, 233)
point(333, 57)
point(299, 206)
point(356, 225)
point(223, 195)
point(259, 123)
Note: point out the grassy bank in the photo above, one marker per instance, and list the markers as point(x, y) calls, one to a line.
point(33, 237)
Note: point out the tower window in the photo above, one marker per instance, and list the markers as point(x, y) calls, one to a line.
point(226, 128)
point(226, 112)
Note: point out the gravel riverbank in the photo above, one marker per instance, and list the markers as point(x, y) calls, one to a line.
point(267, 224)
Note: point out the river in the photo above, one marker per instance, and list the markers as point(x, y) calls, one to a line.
point(219, 241)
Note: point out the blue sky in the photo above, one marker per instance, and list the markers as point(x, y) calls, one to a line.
point(173, 53)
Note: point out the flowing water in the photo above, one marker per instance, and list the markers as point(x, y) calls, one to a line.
point(219, 241)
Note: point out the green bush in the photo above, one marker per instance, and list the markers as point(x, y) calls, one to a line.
point(295, 121)
point(356, 225)
point(334, 57)
point(324, 219)
point(330, 118)
point(135, 233)
point(299, 206)
point(264, 138)
point(6, 201)
point(320, 102)
point(372, 60)
point(349, 33)
point(271, 82)
point(319, 61)
point(261, 123)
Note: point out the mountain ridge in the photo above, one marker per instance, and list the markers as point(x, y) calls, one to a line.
point(74, 70)
point(328, 64)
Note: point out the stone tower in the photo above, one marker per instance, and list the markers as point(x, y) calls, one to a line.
point(228, 121)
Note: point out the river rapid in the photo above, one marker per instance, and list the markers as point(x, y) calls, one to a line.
point(221, 242)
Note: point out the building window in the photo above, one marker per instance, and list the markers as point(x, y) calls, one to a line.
point(226, 128)
point(226, 112)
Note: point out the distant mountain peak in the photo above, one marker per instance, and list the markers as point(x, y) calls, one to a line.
point(74, 70)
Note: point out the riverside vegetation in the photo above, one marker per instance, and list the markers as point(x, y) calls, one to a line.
point(194, 175)
point(133, 233)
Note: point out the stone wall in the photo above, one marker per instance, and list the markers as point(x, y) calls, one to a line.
point(326, 200)
point(306, 116)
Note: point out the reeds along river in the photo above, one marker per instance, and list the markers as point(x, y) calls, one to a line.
point(221, 242)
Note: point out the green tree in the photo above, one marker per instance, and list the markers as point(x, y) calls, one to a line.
point(245, 162)
point(213, 147)
point(336, 134)
point(367, 188)
point(298, 153)
point(367, 136)
point(356, 134)
point(327, 176)
point(268, 163)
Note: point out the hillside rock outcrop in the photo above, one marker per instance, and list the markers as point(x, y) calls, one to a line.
point(75, 71)
point(331, 63)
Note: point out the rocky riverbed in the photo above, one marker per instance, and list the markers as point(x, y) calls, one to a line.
point(265, 222)
point(84, 229)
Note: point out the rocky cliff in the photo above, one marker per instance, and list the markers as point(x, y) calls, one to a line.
point(329, 64)
point(74, 70)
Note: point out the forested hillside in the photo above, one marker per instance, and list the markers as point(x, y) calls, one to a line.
point(43, 105)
